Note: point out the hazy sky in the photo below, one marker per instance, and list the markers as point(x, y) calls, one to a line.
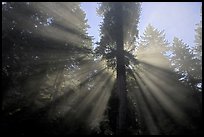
point(176, 18)
point(93, 19)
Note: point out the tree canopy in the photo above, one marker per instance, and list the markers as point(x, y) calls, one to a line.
point(55, 82)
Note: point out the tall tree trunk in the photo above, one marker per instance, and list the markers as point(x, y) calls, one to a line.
point(121, 74)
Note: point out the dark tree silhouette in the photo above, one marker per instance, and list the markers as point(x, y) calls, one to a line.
point(116, 31)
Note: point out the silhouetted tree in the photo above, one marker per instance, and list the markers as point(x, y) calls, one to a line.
point(189, 68)
point(119, 28)
point(184, 62)
point(39, 42)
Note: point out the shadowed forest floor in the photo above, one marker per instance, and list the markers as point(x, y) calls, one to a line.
point(77, 111)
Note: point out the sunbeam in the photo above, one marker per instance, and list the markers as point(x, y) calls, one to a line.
point(160, 92)
point(58, 79)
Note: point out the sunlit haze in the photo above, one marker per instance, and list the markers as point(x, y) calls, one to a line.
point(176, 18)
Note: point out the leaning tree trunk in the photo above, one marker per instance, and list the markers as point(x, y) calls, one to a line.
point(121, 74)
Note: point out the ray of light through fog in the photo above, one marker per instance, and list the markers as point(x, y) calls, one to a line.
point(155, 82)
point(67, 83)
point(79, 86)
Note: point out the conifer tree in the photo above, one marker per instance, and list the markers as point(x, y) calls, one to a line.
point(119, 28)
point(152, 47)
point(186, 64)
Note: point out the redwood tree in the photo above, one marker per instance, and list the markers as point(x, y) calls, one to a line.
point(118, 32)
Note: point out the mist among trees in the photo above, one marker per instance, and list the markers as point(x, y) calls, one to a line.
point(56, 82)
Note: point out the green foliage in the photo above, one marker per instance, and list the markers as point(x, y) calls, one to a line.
point(153, 38)
point(109, 28)
point(198, 40)
point(153, 47)
point(188, 62)
point(53, 85)
point(37, 45)
point(185, 63)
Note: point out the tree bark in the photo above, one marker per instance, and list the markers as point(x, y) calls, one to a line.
point(121, 74)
